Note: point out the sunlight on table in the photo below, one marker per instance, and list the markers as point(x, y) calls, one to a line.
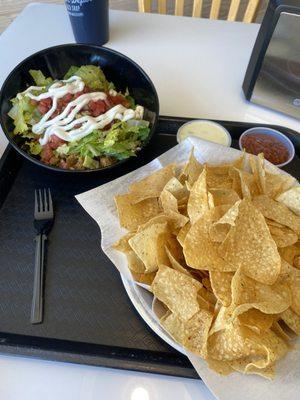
point(140, 393)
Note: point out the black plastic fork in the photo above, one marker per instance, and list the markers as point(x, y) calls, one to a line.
point(43, 221)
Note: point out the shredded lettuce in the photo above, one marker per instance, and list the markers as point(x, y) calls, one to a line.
point(121, 141)
point(39, 78)
point(34, 148)
point(129, 98)
point(89, 162)
point(92, 76)
point(21, 112)
point(71, 71)
point(63, 150)
point(111, 85)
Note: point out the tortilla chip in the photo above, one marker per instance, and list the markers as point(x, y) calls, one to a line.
point(198, 201)
point(229, 344)
point(224, 196)
point(174, 326)
point(238, 342)
point(182, 202)
point(168, 201)
point(220, 367)
point(146, 245)
point(223, 318)
point(146, 279)
point(273, 346)
point(191, 170)
point(218, 177)
point(174, 219)
point(199, 250)
point(152, 185)
point(205, 304)
point(122, 244)
point(257, 164)
point(210, 200)
point(279, 331)
point(197, 329)
point(248, 293)
point(219, 229)
point(240, 161)
point(278, 212)
point(178, 190)
point(183, 232)
point(282, 235)
point(167, 240)
point(249, 246)
point(193, 333)
point(292, 320)
point(291, 276)
point(199, 274)
point(245, 366)
point(277, 184)
point(221, 286)
point(131, 215)
point(206, 283)
point(257, 320)
point(291, 254)
point(177, 291)
point(208, 296)
point(182, 209)
point(158, 219)
point(175, 263)
point(178, 220)
point(270, 345)
point(291, 199)
point(134, 263)
point(243, 183)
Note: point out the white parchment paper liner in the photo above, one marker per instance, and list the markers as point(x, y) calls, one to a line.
point(99, 204)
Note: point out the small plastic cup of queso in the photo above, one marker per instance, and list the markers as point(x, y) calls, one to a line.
point(206, 130)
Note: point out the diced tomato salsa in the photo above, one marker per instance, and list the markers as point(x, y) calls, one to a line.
point(274, 150)
point(93, 108)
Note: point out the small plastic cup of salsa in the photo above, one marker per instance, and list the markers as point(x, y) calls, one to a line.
point(277, 148)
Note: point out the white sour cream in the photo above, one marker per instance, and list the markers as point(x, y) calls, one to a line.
point(70, 134)
point(64, 124)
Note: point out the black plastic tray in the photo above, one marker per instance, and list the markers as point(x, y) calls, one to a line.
point(88, 317)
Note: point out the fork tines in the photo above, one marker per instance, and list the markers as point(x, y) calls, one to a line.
point(43, 206)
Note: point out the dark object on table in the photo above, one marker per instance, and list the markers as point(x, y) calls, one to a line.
point(88, 317)
point(272, 77)
point(89, 20)
point(43, 221)
point(55, 62)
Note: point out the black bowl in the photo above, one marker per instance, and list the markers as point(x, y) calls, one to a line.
point(55, 62)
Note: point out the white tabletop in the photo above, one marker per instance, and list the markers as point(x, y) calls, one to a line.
point(197, 67)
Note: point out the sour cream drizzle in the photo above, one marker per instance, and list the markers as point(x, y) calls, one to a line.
point(63, 125)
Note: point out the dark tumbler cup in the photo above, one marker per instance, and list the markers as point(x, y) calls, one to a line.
point(89, 19)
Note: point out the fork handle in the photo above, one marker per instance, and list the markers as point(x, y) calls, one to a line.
point(37, 298)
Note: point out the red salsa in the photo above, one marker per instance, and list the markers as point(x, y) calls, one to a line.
point(274, 150)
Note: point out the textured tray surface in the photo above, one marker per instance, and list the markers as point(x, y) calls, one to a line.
point(88, 317)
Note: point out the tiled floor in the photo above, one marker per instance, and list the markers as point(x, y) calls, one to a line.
point(9, 9)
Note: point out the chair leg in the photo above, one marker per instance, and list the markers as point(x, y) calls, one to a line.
point(233, 10)
point(251, 11)
point(144, 5)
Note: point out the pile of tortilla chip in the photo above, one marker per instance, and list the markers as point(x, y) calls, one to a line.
point(219, 245)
